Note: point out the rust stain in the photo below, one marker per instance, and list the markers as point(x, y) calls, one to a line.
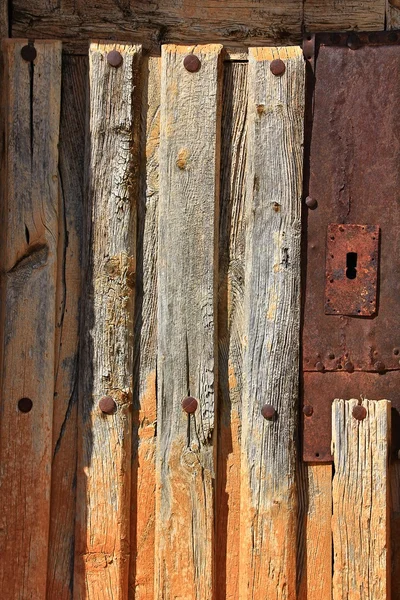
point(183, 156)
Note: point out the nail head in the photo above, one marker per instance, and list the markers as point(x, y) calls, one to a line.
point(359, 412)
point(348, 366)
point(25, 405)
point(277, 67)
point(192, 63)
point(268, 412)
point(28, 53)
point(311, 202)
point(320, 366)
point(114, 58)
point(189, 405)
point(308, 410)
point(379, 366)
point(107, 405)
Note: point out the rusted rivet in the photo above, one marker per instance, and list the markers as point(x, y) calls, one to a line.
point(277, 67)
point(392, 37)
point(189, 405)
point(268, 412)
point(308, 410)
point(107, 405)
point(311, 202)
point(28, 53)
point(353, 42)
point(396, 351)
point(331, 356)
point(379, 366)
point(359, 412)
point(25, 405)
point(192, 63)
point(320, 366)
point(114, 58)
point(348, 366)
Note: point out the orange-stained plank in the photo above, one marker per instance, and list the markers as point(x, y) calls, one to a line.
point(28, 280)
point(230, 328)
point(187, 345)
point(106, 359)
point(268, 509)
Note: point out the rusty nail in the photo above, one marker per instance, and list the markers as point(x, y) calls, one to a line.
point(114, 58)
point(268, 412)
point(359, 412)
point(320, 366)
point(379, 366)
point(277, 67)
point(25, 405)
point(308, 410)
point(396, 351)
point(189, 405)
point(28, 53)
point(348, 366)
point(331, 356)
point(107, 405)
point(353, 42)
point(192, 63)
point(311, 202)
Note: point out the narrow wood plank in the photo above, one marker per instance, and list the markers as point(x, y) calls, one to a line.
point(360, 521)
point(230, 328)
point(272, 320)
point(392, 14)
point(29, 278)
point(63, 480)
point(330, 15)
point(105, 440)
point(314, 538)
point(145, 358)
point(186, 363)
point(395, 528)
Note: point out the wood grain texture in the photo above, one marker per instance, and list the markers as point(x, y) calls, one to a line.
point(360, 521)
point(63, 482)
point(105, 441)
point(230, 328)
point(187, 294)
point(28, 282)
point(395, 528)
point(272, 320)
point(145, 361)
point(392, 14)
point(331, 15)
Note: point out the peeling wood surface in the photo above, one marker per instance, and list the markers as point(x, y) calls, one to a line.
point(28, 281)
point(360, 521)
point(272, 320)
point(230, 328)
point(105, 441)
point(187, 290)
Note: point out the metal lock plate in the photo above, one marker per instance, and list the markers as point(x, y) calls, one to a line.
point(351, 326)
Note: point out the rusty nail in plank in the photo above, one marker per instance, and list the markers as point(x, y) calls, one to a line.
point(320, 366)
point(348, 366)
point(308, 410)
point(192, 63)
point(311, 203)
point(359, 412)
point(28, 53)
point(114, 58)
point(277, 67)
point(189, 405)
point(268, 412)
point(107, 405)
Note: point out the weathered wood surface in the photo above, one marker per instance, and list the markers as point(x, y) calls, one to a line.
point(330, 15)
point(230, 328)
point(63, 479)
point(28, 280)
point(393, 14)
point(145, 357)
point(187, 348)
point(395, 528)
point(360, 521)
point(105, 441)
point(272, 320)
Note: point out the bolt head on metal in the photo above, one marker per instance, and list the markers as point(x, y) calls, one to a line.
point(114, 58)
point(277, 67)
point(28, 53)
point(25, 405)
point(379, 366)
point(268, 412)
point(308, 410)
point(192, 63)
point(107, 405)
point(311, 202)
point(359, 412)
point(348, 366)
point(320, 367)
point(189, 405)
point(354, 42)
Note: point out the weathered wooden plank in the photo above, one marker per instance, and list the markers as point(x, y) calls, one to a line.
point(29, 278)
point(330, 15)
point(105, 440)
point(314, 538)
point(392, 14)
point(395, 528)
point(187, 293)
point(360, 521)
point(145, 357)
point(272, 320)
point(63, 481)
point(230, 328)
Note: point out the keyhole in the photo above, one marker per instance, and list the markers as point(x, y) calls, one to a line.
point(351, 264)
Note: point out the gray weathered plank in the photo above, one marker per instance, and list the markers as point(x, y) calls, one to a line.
point(29, 241)
point(361, 521)
point(105, 440)
point(187, 291)
point(272, 320)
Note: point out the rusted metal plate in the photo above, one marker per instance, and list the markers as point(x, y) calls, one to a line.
point(353, 178)
point(351, 269)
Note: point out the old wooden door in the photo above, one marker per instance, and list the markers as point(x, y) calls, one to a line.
point(150, 436)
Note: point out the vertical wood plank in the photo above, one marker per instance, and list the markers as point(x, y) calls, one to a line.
point(230, 328)
point(29, 280)
point(360, 521)
point(392, 14)
point(272, 320)
point(395, 528)
point(105, 440)
point(186, 363)
point(145, 357)
point(63, 480)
